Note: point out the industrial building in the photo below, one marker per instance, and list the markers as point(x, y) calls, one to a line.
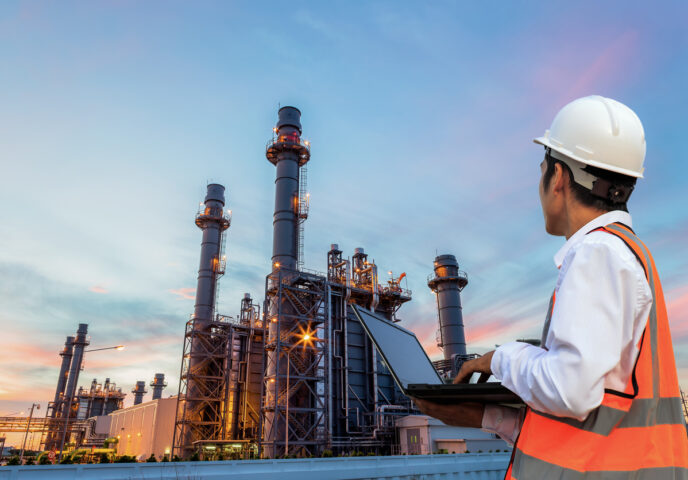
point(302, 376)
point(291, 376)
point(143, 429)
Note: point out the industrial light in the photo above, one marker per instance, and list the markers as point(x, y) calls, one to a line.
point(306, 337)
point(119, 347)
point(390, 272)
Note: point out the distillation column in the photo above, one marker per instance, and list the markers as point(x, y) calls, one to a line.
point(288, 153)
point(201, 382)
point(158, 385)
point(447, 284)
point(139, 391)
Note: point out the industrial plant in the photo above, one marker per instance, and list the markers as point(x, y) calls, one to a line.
point(293, 375)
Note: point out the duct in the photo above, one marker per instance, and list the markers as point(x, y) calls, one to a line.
point(447, 284)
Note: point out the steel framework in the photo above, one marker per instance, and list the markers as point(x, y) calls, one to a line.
point(203, 378)
point(294, 411)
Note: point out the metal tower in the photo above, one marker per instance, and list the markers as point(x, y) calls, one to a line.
point(55, 408)
point(139, 391)
point(203, 371)
point(158, 385)
point(70, 403)
point(447, 283)
point(294, 413)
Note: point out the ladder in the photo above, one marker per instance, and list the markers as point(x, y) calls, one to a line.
point(302, 213)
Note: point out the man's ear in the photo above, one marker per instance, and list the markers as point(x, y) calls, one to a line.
point(559, 179)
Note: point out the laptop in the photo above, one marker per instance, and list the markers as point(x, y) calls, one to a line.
point(415, 374)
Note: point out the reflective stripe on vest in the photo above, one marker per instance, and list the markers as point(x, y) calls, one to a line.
point(638, 433)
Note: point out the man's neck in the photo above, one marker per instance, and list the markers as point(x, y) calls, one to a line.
point(578, 216)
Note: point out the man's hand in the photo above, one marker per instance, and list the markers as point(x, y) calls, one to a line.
point(480, 364)
point(457, 414)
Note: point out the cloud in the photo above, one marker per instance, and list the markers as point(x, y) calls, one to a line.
point(98, 289)
point(187, 293)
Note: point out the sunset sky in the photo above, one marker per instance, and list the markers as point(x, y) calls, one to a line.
point(115, 115)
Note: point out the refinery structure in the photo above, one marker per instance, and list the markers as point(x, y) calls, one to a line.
point(293, 375)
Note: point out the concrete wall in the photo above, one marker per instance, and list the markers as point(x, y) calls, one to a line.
point(145, 428)
point(417, 467)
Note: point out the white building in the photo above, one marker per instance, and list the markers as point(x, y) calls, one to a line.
point(422, 435)
point(145, 428)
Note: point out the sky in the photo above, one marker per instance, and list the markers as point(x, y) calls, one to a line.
point(115, 115)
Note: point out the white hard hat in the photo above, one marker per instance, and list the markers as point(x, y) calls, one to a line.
point(599, 132)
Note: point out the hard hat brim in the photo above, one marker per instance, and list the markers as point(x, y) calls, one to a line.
point(623, 171)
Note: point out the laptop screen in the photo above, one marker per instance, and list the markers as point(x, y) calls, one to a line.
point(400, 349)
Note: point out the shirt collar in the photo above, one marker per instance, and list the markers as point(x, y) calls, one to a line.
point(601, 221)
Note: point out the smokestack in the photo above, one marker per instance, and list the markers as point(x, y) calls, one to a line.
point(66, 355)
point(213, 221)
point(80, 343)
point(158, 385)
point(139, 391)
point(199, 375)
point(447, 285)
point(287, 152)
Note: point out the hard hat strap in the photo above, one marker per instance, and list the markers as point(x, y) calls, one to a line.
point(614, 193)
point(599, 187)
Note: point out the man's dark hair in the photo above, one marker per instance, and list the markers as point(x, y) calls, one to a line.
point(614, 184)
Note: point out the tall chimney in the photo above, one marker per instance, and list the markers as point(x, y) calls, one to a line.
point(80, 343)
point(195, 409)
point(66, 355)
point(139, 391)
point(213, 221)
point(447, 285)
point(158, 385)
point(288, 153)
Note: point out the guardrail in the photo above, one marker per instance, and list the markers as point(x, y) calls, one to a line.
point(476, 466)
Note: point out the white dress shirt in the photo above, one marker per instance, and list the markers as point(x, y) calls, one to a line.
point(602, 303)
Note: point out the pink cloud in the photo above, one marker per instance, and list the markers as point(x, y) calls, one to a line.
point(677, 310)
point(188, 293)
point(98, 289)
point(608, 66)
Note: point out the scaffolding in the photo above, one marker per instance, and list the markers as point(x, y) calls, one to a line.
point(294, 416)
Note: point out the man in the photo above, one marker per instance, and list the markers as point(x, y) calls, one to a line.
point(602, 393)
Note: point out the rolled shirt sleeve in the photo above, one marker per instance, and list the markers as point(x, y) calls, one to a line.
point(592, 325)
point(504, 421)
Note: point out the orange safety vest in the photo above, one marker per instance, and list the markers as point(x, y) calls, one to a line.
point(638, 434)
